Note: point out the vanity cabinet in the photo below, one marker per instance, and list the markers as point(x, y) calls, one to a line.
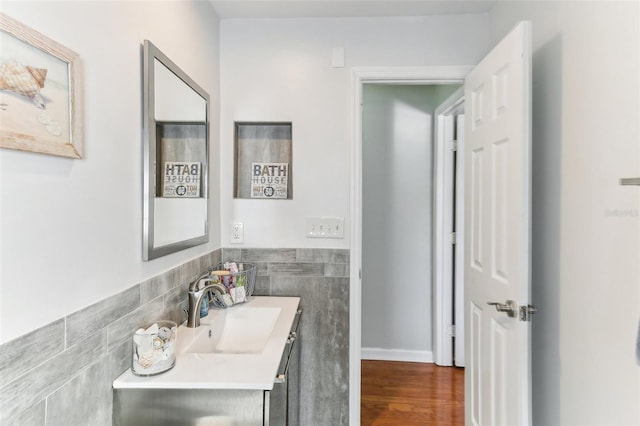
point(188, 407)
point(283, 402)
point(278, 406)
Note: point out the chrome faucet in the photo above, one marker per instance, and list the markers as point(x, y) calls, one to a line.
point(196, 283)
point(196, 294)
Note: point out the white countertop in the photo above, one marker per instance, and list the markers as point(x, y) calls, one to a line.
point(223, 371)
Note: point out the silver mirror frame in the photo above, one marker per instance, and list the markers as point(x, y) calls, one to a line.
point(150, 54)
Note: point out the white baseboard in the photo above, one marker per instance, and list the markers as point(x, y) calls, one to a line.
point(379, 354)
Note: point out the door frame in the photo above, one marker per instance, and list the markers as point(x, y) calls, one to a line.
point(359, 77)
point(443, 224)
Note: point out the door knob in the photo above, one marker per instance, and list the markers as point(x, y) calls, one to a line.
point(509, 307)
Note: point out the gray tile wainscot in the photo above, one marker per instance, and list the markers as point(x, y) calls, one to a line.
point(320, 277)
point(73, 361)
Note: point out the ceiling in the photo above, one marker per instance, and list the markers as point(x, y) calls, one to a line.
point(345, 8)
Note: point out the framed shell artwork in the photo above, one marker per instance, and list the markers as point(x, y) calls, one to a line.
point(40, 92)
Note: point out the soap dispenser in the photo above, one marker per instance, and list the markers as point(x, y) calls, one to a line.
point(204, 306)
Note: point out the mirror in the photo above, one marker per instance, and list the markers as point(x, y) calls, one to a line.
point(176, 154)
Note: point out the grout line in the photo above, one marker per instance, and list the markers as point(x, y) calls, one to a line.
point(65, 334)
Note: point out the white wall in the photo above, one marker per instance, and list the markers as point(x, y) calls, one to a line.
point(280, 70)
point(397, 204)
point(586, 228)
point(72, 229)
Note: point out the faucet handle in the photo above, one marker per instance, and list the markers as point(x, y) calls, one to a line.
point(195, 284)
point(203, 282)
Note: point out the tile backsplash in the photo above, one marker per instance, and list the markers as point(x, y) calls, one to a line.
point(320, 277)
point(61, 374)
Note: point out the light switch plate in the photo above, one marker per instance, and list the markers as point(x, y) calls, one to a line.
point(325, 227)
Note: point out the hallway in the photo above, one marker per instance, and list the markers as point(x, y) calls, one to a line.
point(408, 393)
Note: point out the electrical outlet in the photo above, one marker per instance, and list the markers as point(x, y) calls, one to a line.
point(237, 233)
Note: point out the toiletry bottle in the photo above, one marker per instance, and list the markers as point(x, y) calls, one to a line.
point(204, 306)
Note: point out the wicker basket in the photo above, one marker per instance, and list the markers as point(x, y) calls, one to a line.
point(249, 273)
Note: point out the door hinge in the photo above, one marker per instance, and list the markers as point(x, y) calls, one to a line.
point(452, 238)
point(452, 330)
point(453, 145)
point(526, 311)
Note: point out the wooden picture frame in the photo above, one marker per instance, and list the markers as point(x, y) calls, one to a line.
point(40, 93)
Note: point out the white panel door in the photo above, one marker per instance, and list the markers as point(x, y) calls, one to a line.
point(497, 233)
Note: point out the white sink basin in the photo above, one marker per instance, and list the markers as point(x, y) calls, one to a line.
point(237, 330)
point(234, 348)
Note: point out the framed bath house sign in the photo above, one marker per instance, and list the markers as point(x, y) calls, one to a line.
point(269, 180)
point(40, 93)
point(181, 179)
point(263, 160)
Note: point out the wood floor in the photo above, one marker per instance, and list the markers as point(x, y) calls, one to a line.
point(411, 393)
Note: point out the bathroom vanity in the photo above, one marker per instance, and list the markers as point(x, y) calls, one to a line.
point(239, 367)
